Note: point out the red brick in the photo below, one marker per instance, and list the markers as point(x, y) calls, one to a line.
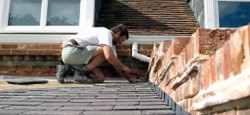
point(183, 104)
point(58, 46)
point(186, 55)
point(5, 52)
point(180, 63)
point(195, 41)
point(146, 46)
point(228, 112)
point(179, 43)
point(4, 68)
point(151, 61)
point(19, 52)
point(226, 60)
point(174, 69)
point(7, 73)
point(36, 52)
point(146, 53)
point(186, 89)
point(43, 46)
point(183, 54)
point(195, 85)
point(161, 72)
point(153, 77)
point(10, 46)
point(126, 47)
point(164, 88)
point(11, 68)
point(243, 111)
point(37, 68)
point(164, 45)
point(231, 112)
point(157, 80)
point(179, 93)
point(170, 88)
point(167, 79)
point(206, 74)
point(236, 52)
point(45, 69)
point(53, 52)
point(248, 39)
point(45, 74)
point(124, 53)
point(173, 96)
point(155, 51)
point(212, 69)
point(246, 61)
point(164, 62)
point(25, 69)
point(168, 54)
point(29, 74)
point(219, 64)
point(189, 52)
point(26, 46)
point(157, 64)
point(167, 89)
point(190, 103)
point(161, 84)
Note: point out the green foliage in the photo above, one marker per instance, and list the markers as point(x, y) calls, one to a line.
point(25, 20)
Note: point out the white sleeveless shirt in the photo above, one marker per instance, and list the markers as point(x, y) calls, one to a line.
point(94, 37)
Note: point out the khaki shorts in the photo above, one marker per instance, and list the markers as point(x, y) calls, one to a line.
point(72, 55)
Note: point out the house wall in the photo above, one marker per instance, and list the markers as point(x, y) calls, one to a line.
point(40, 59)
point(197, 7)
point(207, 73)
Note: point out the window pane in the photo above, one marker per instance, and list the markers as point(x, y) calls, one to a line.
point(63, 12)
point(24, 12)
point(234, 14)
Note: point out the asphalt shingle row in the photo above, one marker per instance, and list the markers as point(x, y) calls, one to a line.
point(106, 98)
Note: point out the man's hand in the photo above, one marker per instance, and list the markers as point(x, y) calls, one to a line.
point(131, 78)
point(126, 70)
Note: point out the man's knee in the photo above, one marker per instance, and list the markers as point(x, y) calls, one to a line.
point(100, 79)
point(98, 75)
point(98, 51)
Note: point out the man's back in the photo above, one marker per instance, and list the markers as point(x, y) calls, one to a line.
point(94, 36)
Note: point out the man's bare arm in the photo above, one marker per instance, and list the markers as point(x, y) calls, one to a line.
point(111, 58)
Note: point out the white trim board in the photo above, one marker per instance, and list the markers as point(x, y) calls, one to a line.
point(58, 38)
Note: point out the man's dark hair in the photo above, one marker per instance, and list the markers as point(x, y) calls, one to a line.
point(122, 29)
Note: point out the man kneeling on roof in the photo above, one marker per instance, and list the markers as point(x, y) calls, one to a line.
point(85, 51)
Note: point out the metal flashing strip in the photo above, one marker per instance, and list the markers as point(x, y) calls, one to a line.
point(168, 100)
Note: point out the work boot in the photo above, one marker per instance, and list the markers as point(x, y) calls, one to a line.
point(69, 77)
point(61, 72)
point(81, 77)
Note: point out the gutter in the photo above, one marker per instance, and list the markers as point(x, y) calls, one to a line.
point(142, 39)
point(136, 55)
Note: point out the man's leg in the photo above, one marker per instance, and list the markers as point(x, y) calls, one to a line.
point(97, 74)
point(97, 58)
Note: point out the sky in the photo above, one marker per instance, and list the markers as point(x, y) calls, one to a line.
point(234, 14)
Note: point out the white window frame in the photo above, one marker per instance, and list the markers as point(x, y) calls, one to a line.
point(212, 12)
point(86, 20)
